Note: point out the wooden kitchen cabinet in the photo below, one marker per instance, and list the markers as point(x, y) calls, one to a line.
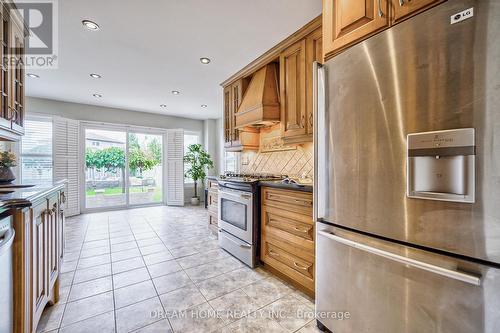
point(237, 139)
point(288, 236)
point(228, 117)
point(403, 9)
point(347, 22)
point(213, 205)
point(12, 36)
point(45, 256)
point(53, 240)
point(37, 259)
point(17, 79)
point(296, 86)
point(237, 90)
point(292, 90)
point(39, 262)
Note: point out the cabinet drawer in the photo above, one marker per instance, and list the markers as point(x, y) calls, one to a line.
point(213, 200)
point(213, 223)
point(287, 223)
point(298, 269)
point(212, 185)
point(300, 202)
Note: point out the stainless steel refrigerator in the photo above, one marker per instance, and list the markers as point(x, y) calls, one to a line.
point(407, 191)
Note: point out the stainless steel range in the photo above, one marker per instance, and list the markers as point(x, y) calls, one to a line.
point(239, 203)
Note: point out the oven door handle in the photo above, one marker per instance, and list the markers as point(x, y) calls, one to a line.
point(235, 196)
point(245, 246)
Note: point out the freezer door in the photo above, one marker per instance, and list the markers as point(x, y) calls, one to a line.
point(422, 75)
point(369, 285)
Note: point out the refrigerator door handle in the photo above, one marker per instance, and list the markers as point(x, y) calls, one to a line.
point(319, 112)
point(452, 274)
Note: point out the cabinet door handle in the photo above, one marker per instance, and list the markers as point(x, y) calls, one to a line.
point(380, 12)
point(401, 2)
point(274, 253)
point(298, 229)
point(299, 266)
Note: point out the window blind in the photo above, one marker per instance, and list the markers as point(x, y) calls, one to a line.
point(36, 151)
point(67, 160)
point(175, 167)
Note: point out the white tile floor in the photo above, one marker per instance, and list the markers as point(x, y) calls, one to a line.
point(160, 270)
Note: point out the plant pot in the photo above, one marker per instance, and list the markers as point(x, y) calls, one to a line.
point(6, 176)
point(195, 201)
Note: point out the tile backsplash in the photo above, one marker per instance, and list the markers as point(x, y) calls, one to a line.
point(294, 163)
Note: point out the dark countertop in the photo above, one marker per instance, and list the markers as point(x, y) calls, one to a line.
point(24, 197)
point(286, 186)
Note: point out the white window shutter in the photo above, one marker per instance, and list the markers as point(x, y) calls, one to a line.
point(66, 160)
point(175, 167)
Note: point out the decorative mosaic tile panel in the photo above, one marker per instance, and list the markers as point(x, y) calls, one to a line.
point(294, 163)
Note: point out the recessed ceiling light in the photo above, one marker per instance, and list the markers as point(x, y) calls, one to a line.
point(97, 95)
point(34, 76)
point(95, 76)
point(205, 61)
point(90, 25)
point(175, 92)
point(163, 106)
point(204, 105)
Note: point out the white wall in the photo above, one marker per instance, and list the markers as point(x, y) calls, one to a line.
point(209, 129)
point(219, 137)
point(210, 143)
point(110, 115)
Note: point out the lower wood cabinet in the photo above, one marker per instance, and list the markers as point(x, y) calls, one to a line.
point(288, 236)
point(37, 259)
point(212, 205)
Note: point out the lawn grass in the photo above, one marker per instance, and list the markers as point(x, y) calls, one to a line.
point(118, 190)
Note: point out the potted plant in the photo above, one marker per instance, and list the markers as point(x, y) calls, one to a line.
point(7, 160)
point(199, 161)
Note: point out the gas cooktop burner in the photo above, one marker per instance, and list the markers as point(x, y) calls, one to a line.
point(250, 177)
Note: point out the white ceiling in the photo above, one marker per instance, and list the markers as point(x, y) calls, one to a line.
point(146, 49)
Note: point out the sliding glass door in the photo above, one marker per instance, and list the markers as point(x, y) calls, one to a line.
point(145, 168)
point(122, 168)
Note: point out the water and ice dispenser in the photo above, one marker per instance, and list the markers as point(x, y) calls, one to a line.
point(441, 165)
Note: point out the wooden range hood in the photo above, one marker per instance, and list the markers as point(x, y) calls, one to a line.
point(261, 104)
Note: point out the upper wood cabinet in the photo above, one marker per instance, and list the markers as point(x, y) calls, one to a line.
point(228, 116)
point(403, 9)
point(314, 52)
point(17, 80)
point(296, 86)
point(237, 139)
point(293, 88)
point(281, 91)
point(237, 90)
point(12, 37)
point(347, 21)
